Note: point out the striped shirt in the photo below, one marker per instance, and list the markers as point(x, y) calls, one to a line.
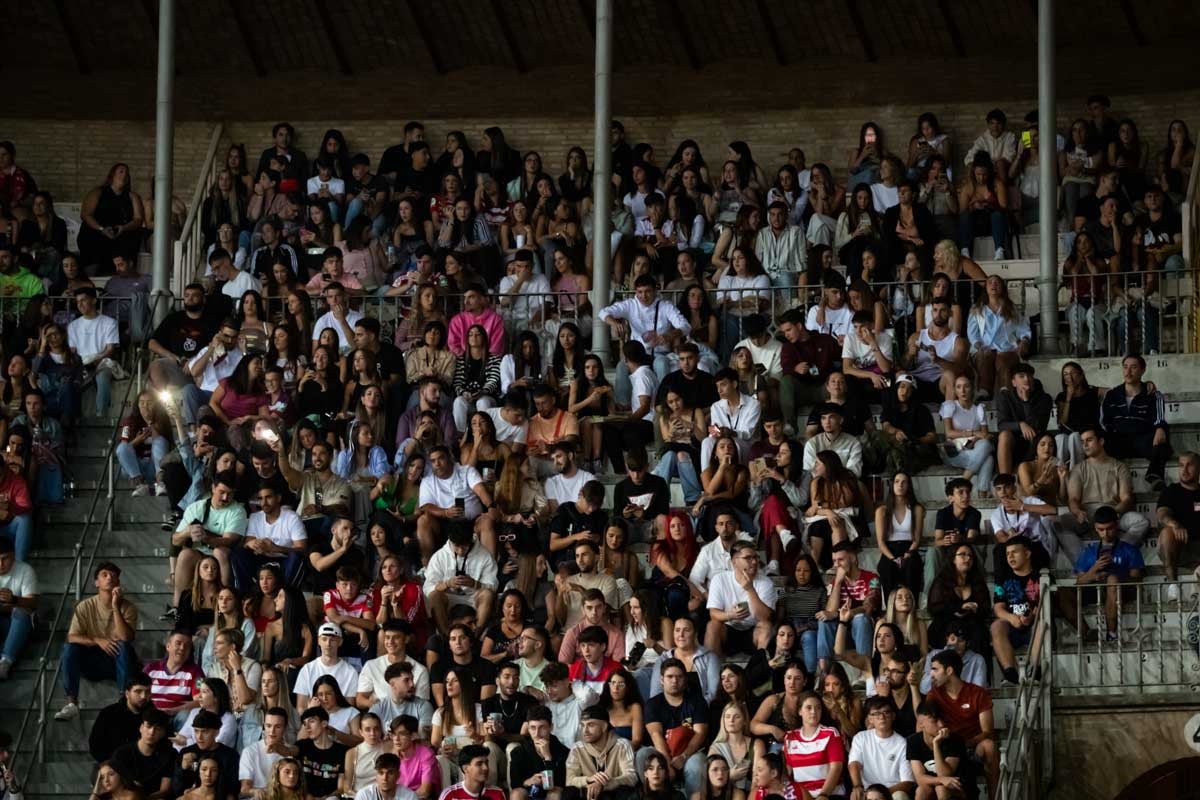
point(170, 690)
point(361, 607)
point(459, 791)
point(808, 760)
point(801, 603)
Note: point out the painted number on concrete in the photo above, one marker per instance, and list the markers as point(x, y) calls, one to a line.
point(1191, 732)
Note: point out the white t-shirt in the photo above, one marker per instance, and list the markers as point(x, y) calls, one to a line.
point(327, 320)
point(837, 321)
point(336, 186)
point(442, 492)
point(256, 763)
point(342, 672)
point(964, 419)
point(884, 197)
point(883, 760)
point(89, 337)
point(529, 299)
point(284, 531)
point(565, 719)
point(562, 489)
point(506, 432)
point(769, 356)
point(724, 593)
point(860, 353)
point(218, 370)
point(340, 720)
point(21, 580)
point(372, 793)
point(239, 285)
point(645, 383)
point(371, 678)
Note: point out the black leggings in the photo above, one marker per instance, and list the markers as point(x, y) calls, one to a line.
point(623, 435)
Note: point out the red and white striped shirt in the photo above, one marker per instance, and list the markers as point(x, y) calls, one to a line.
point(808, 760)
point(169, 690)
point(459, 791)
point(359, 607)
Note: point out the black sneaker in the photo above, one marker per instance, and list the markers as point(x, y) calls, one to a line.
point(170, 524)
point(170, 615)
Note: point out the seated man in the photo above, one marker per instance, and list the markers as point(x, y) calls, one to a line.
point(387, 773)
point(18, 601)
point(647, 319)
point(187, 766)
point(322, 756)
point(565, 602)
point(100, 640)
point(807, 359)
point(208, 527)
point(149, 761)
point(564, 706)
point(595, 614)
point(859, 588)
point(955, 523)
point(547, 428)
point(1109, 561)
point(734, 413)
point(601, 765)
point(340, 318)
point(95, 339)
point(1017, 599)
point(476, 311)
point(937, 756)
point(591, 671)
point(332, 271)
point(936, 355)
point(374, 683)
point(213, 364)
point(568, 479)
point(879, 754)
point(175, 679)
point(401, 698)
point(504, 712)
point(1099, 480)
point(524, 293)
point(1022, 414)
point(328, 662)
point(1016, 516)
point(958, 639)
point(121, 722)
point(539, 751)
point(473, 761)
point(353, 610)
point(642, 498)
point(867, 355)
point(418, 765)
point(257, 760)
point(741, 605)
point(832, 315)
point(273, 534)
point(832, 437)
point(452, 499)
point(509, 420)
point(1179, 514)
point(461, 572)
point(677, 724)
point(323, 496)
point(1136, 419)
point(583, 519)
point(967, 711)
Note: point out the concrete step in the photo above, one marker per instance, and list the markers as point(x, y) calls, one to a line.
point(132, 510)
point(58, 542)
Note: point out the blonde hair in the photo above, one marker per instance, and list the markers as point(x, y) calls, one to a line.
point(741, 707)
point(948, 250)
point(909, 628)
point(276, 791)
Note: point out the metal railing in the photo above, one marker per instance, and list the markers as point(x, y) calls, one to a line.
point(1027, 756)
point(1155, 649)
point(38, 708)
point(1190, 212)
point(189, 248)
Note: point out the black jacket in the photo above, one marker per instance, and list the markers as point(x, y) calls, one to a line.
point(1011, 410)
point(525, 761)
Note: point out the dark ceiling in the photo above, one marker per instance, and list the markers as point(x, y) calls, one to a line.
point(352, 37)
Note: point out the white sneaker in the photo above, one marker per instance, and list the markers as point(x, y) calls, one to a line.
point(141, 490)
point(69, 711)
point(113, 367)
point(1000, 254)
point(1172, 592)
point(772, 567)
point(160, 489)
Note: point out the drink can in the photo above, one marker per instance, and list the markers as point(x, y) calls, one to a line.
point(547, 779)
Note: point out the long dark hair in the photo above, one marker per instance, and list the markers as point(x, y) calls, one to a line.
point(558, 362)
point(240, 380)
point(705, 311)
point(535, 365)
point(462, 229)
point(295, 621)
point(854, 213)
point(745, 163)
point(331, 682)
point(633, 695)
point(220, 690)
point(585, 385)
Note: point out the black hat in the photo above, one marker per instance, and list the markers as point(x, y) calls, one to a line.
point(597, 712)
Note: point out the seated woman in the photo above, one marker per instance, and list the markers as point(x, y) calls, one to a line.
point(681, 429)
point(591, 400)
point(902, 612)
point(621, 698)
point(521, 511)
point(1078, 407)
point(481, 450)
point(898, 526)
point(780, 711)
point(968, 444)
point(702, 665)
point(864, 161)
point(476, 377)
point(888, 641)
point(721, 781)
point(741, 291)
point(958, 596)
point(826, 201)
point(646, 631)
point(999, 335)
point(362, 372)
point(939, 196)
point(454, 724)
point(802, 603)
point(1085, 274)
point(775, 489)
point(145, 439)
point(726, 484)
point(837, 497)
point(1045, 476)
point(743, 231)
point(671, 558)
point(858, 226)
point(860, 296)
point(695, 304)
point(907, 439)
point(362, 463)
point(320, 388)
point(238, 399)
point(908, 229)
point(842, 705)
point(983, 207)
point(767, 668)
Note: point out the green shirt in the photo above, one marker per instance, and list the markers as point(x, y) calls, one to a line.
point(25, 282)
point(230, 520)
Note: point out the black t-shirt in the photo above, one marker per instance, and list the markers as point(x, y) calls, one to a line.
point(1184, 505)
point(952, 747)
point(424, 182)
point(480, 668)
point(115, 725)
point(1162, 232)
point(251, 482)
point(1089, 207)
point(324, 580)
point(146, 772)
point(185, 336)
point(395, 159)
point(390, 361)
point(692, 711)
point(321, 767)
point(660, 500)
point(699, 391)
point(946, 521)
point(569, 520)
point(373, 185)
point(512, 712)
point(855, 415)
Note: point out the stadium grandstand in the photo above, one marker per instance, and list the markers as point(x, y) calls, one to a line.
point(599, 400)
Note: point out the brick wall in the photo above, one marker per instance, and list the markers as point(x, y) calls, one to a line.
point(69, 144)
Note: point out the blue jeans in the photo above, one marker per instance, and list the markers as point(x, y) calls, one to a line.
point(808, 645)
point(246, 565)
point(680, 464)
point(89, 661)
point(623, 388)
point(15, 628)
point(978, 460)
point(983, 219)
point(20, 530)
point(1145, 316)
point(194, 398)
point(103, 379)
point(145, 468)
point(862, 630)
point(355, 207)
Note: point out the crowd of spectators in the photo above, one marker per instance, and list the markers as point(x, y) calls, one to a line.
point(383, 442)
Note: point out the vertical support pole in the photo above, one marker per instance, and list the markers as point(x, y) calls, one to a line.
point(164, 156)
point(602, 179)
point(45, 703)
point(1048, 193)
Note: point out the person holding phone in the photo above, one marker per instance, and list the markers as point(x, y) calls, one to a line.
point(1108, 562)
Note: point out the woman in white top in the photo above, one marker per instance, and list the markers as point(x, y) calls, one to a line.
point(898, 525)
point(644, 626)
point(360, 760)
point(213, 696)
point(742, 291)
point(343, 718)
point(968, 444)
point(733, 743)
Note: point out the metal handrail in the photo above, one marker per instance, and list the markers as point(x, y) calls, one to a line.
point(191, 238)
point(40, 698)
point(1027, 763)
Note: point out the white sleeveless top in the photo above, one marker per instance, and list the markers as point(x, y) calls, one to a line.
point(926, 369)
point(902, 528)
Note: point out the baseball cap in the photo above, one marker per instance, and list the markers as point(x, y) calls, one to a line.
point(330, 629)
point(596, 712)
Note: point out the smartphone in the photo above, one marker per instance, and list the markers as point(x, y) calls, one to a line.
point(460, 502)
point(1027, 139)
